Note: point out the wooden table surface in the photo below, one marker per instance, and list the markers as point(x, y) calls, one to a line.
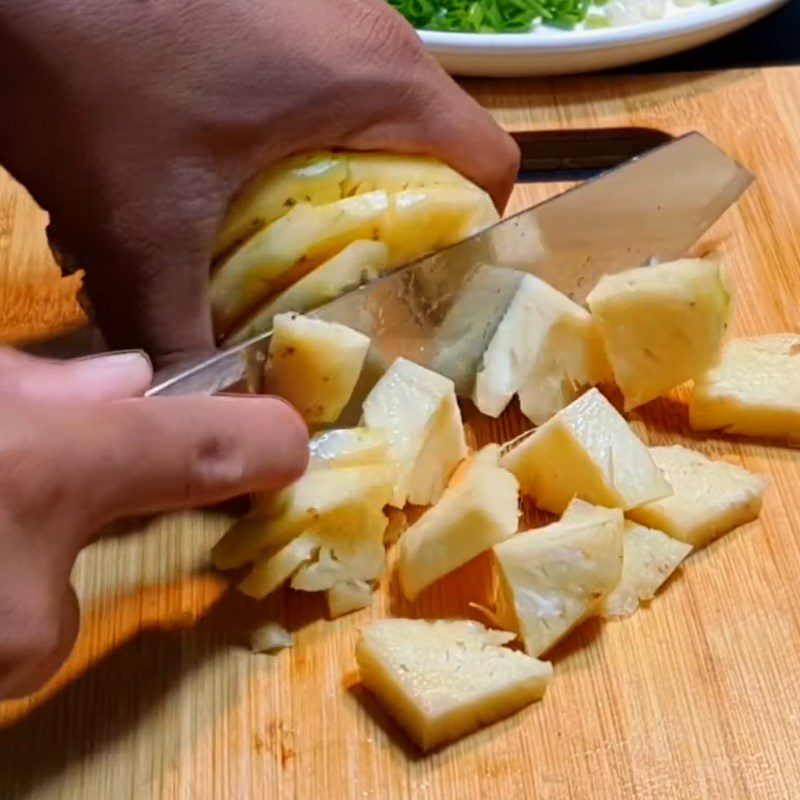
point(693, 699)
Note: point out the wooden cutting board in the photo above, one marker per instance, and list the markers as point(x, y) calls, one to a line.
point(692, 699)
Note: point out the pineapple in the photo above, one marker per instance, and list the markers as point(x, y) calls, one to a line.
point(333, 497)
point(415, 407)
point(551, 579)
point(649, 558)
point(270, 638)
point(589, 451)
point(478, 509)
point(315, 365)
point(348, 447)
point(349, 595)
point(662, 325)
point(710, 497)
point(442, 680)
point(754, 390)
point(359, 262)
point(544, 342)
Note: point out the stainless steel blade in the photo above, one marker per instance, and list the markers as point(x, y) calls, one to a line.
point(441, 311)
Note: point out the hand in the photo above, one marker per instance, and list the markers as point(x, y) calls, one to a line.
point(77, 450)
point(134, 124)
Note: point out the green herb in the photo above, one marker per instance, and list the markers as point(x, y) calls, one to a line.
point(490, 16)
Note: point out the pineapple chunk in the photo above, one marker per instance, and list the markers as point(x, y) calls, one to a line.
point(359, 263)
point(314, 178)
point(288, 249)
point(347, 596)
point(315, 365)
point(348, 447)
point(391, 172)
point(754, 390)
point(710, 497)
point(270, 638)
point(547, 344)
point(649, 558)
point(586, 450)
point(442, 680)
point(415, 406)
point(334, 497)
point(479, 509)
point(323, 556)
point(551, 579)
point(662, 325)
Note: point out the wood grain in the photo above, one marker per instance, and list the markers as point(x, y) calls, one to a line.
point(692, 699)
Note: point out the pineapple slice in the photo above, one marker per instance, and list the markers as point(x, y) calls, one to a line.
point(586, 450)
point(414, 406)
point(442, 680)
point(348, 447)
point(315, 365)
point(479, 509)
point(710, 497)
point(546, 343)
point(314, 178)
point(347, 596)
point(334, 497)
point(321, 178)
point(551, 579)
point(410, 223)
point(288, 249)
point(662, 325)
point(649, 558)
point(754, 390)
point(360, 262)
point(323, 556)
point(270, 638)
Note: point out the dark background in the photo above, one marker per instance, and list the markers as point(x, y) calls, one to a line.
point(773, 41)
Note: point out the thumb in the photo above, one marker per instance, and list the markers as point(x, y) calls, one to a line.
point(143, 456)
point(110, 376)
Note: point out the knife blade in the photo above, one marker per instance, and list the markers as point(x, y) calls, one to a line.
point(442, 310)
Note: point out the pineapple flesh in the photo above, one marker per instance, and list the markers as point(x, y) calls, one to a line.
point(479, 509)
point(315, 365)
point(589, 451)
point(710, 497)
point(662, 325)
point(442, 680)
point(546, 343)
point(754, 390)
point(649, 558)
point(413, 406)
point(347, 596)
point(551, 579)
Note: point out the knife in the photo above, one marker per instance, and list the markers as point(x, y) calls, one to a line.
point(442, 310)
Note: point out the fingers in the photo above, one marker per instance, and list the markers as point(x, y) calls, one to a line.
point(143, 456)
point(110, 376)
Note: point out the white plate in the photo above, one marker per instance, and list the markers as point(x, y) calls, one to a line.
point(549, 51)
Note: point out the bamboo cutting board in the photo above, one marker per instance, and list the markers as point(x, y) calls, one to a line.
point(692, 699)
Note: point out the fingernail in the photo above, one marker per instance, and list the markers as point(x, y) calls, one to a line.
point(120, 358)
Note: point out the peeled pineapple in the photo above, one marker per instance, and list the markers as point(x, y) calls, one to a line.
point(709, 497)
point(649, 558)
point(304, 214)
point(589, 451)
point(546, 347)
point(360, 262)
point(662, 325)
point(270, 638)
point(442, 680)
point(349, 595)
point(551, 579)
point(754, 390)
point(348, 447)
point(479, 509)
point(315, 365)
point(417, 410)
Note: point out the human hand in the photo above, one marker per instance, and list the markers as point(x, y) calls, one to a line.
point(78, 449)
point(134, 124)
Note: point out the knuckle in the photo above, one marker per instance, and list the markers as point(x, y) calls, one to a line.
point(215, 462)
